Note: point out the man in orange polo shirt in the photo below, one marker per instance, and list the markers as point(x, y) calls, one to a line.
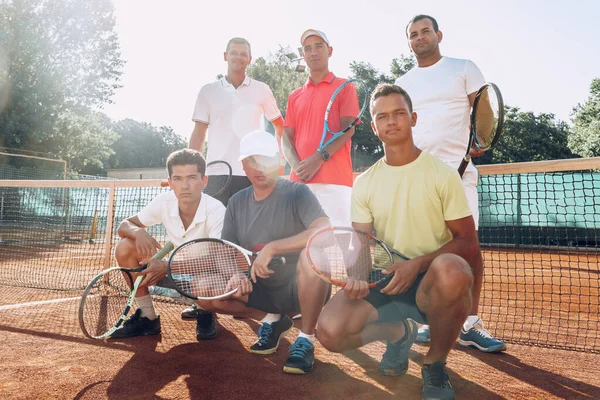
point(327, 173)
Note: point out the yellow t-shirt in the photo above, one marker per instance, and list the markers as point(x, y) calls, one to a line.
point(409, 205)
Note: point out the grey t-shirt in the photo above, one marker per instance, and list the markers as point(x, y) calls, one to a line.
point(289, 210)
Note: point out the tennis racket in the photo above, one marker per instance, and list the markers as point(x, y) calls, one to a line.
point(107, 300)
point(487, 118)
point(211, 269)
point(335, 102)
point(219, 177)
point(342, 254)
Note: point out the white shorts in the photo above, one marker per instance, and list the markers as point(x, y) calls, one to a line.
point(469, 180)
point(335, 200)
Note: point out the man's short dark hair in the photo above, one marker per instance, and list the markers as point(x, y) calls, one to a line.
point(239, 40)
point(385, 89)
point(420, 17)
point(186, 157)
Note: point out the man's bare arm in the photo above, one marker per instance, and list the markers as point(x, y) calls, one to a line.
point(289, 150)
point(198, 137)
point(340, 142)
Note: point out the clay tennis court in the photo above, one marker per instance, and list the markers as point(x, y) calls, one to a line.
point(544, 302)
point(46, 356)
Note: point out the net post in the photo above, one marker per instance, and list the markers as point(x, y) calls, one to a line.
point(109, 225)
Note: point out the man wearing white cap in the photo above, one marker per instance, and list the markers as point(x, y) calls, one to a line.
point(328, 173)
point(275, 217)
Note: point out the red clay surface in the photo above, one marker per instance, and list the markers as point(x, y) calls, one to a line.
point(44, 355)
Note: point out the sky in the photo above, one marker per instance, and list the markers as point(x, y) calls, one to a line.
point(543, 55)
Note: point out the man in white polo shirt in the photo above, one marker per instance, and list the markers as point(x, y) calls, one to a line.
point(226, 111)
point(186, 214)
point(229, 109)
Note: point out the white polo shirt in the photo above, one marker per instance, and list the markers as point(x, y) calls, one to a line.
point(207, 223)
point(439, 94)
point(231, 114)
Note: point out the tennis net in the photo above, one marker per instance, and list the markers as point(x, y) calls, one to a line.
point(539, 231)
point(540, 235)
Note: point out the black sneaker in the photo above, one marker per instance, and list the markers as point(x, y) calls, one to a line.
point(270, 334)
point(301, 358)
point(137, 325)
point(436, 384)
point(190, 312)
point(206, 326)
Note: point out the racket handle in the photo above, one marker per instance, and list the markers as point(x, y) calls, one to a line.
point(463, 165)
point(277, 261)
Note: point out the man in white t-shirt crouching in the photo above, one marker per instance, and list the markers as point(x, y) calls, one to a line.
point(443, 90)
point(186, 214)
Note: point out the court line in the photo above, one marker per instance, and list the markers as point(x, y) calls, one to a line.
point(37, 303)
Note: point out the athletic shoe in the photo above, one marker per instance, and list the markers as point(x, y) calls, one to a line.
point(190, 312)
point(137, 325)
point(269, 335)
point(395, 358)
point(436, 384)
point(480, 338)
point(301, 357)
point(206, 326)
point(423, 336)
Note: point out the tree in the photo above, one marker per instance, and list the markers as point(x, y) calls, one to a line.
point(58, 60)
point(279, 72)
point(142, 145)
point(83, 139)
point(366, 147)
point(585, 139)
point(529, 137)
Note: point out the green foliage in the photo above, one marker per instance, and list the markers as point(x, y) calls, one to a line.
point(366, 147)
point(279, 72)
point(83, 138)
point(141, 145)
point(585, 139)
point(58, 60)
point(529, 137)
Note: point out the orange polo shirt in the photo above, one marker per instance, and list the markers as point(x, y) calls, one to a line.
point(305, 113)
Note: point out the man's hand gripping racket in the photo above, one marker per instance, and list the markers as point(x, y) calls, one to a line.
point(487, 119)
point(212, 269)
point(356, 261)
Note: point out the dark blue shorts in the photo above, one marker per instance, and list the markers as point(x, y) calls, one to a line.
point(398, 307)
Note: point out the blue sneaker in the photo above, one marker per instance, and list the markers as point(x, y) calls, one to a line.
point(480, 338)
point(395, 358)
point(423, 336)
point(269, 335)
point(301, 358)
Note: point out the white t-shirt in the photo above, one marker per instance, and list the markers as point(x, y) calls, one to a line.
point(231, 114)
point(207, 223)
point(439, 94)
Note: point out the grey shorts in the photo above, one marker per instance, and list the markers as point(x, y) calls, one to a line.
point(280, 299)
point(399, 307)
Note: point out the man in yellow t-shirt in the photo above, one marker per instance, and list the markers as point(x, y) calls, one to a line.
point(416, 204)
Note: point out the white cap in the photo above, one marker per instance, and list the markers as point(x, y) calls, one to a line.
point(313, 32)
point(258, 143)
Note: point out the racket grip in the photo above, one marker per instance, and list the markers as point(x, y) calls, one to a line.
point(167, 248)
point(277, 261)
point(463, 165)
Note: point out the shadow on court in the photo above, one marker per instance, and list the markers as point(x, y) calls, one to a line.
point(556, 384)
point(410, 385)
point(223, 368)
